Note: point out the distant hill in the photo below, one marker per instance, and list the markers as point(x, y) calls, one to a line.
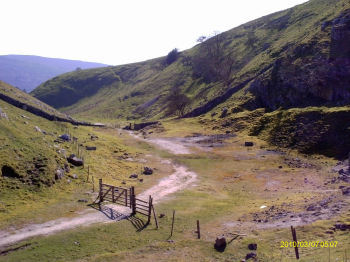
point(298, 57)
point(27, 72)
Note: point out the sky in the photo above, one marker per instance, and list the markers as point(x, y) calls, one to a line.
point(120, 31)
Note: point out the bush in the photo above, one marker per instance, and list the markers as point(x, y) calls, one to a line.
point(172, 56)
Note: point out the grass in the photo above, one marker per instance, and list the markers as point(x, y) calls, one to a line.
point(228, 188)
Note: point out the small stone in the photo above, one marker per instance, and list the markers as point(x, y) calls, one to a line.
point(253, 246)
point(65, 137)
point(220, 244)
point(250, 255)
point(141, 180)
point(161, 215)
point(248, 144)
point(147, 170)
point(133, 176)
point(82, 201)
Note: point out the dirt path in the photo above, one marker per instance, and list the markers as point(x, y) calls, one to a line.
point(180, 179)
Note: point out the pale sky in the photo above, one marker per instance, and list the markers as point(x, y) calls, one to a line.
point(120, 31)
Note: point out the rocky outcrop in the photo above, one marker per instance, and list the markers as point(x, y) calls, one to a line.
point(322, 131)
point(340, 37)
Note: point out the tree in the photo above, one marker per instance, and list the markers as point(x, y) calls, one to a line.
point(211, 63)
point(172, 56)
point(177, 103)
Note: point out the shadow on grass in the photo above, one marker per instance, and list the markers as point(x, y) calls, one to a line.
point(112, 214)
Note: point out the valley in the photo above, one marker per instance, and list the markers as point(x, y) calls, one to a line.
point(232, 149)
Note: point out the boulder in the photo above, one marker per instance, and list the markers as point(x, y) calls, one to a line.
point(220, 244)
point(147, 170)
point(248, 144)
point(37, 129)
point(342, 227)
point(65, 137)
point(253, 246)
point(66, 168)
point(250, 255)
point(224, 112)
point(75, 161)
point(133, 176)
point(346, 191)
point(59, 174)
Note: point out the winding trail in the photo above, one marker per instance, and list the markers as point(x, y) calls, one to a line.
point(182, 178)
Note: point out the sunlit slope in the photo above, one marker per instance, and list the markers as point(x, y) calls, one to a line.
point(292, 58)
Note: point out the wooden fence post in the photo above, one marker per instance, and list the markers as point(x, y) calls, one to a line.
point(149, 209)
point(172, 225)
point(100, 193)
point(112, 194)
point(154, 214)
point(126, 197)
point(87, 179)
point(133, 200)
point(198, 230)
point(294, 234)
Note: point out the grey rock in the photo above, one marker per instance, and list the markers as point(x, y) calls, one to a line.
point(65, 137)
point(220, 244)
point(59, 174)
point(133, 176)
point(147, 170)
point(346, 191)
point(75, 161)
point(253, 246)
point(250, 255)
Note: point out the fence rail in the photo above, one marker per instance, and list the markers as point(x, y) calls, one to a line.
point(125, 197)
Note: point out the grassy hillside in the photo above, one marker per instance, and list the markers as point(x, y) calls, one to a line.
point(19, 95)
point(27, 72)
point(282, 60)
point(31, 154)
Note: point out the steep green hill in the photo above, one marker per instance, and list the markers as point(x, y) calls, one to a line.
point(293, 58)
point(27, 72)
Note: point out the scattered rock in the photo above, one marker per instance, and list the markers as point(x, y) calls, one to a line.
point(313, 207)
point(65, 137)
point(3, 114)
point(38, 129)
point(133, 176)
point(213, 114)
point(75, 161)
point(161, 215)
point(250, 255)
point(91, 148)
point(141, 180)
point(82, 201)
point(224, 112)
point(66, 168)
point(346, 191)
point(248, 144)
point(253, 246)
point(220, 244)
point(74, 176)
point(342, 227)
point(147, 170)
point(124, 183)
point(59, 174)
point(93, 137)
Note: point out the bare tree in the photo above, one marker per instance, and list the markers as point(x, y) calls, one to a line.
point(177, 103)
